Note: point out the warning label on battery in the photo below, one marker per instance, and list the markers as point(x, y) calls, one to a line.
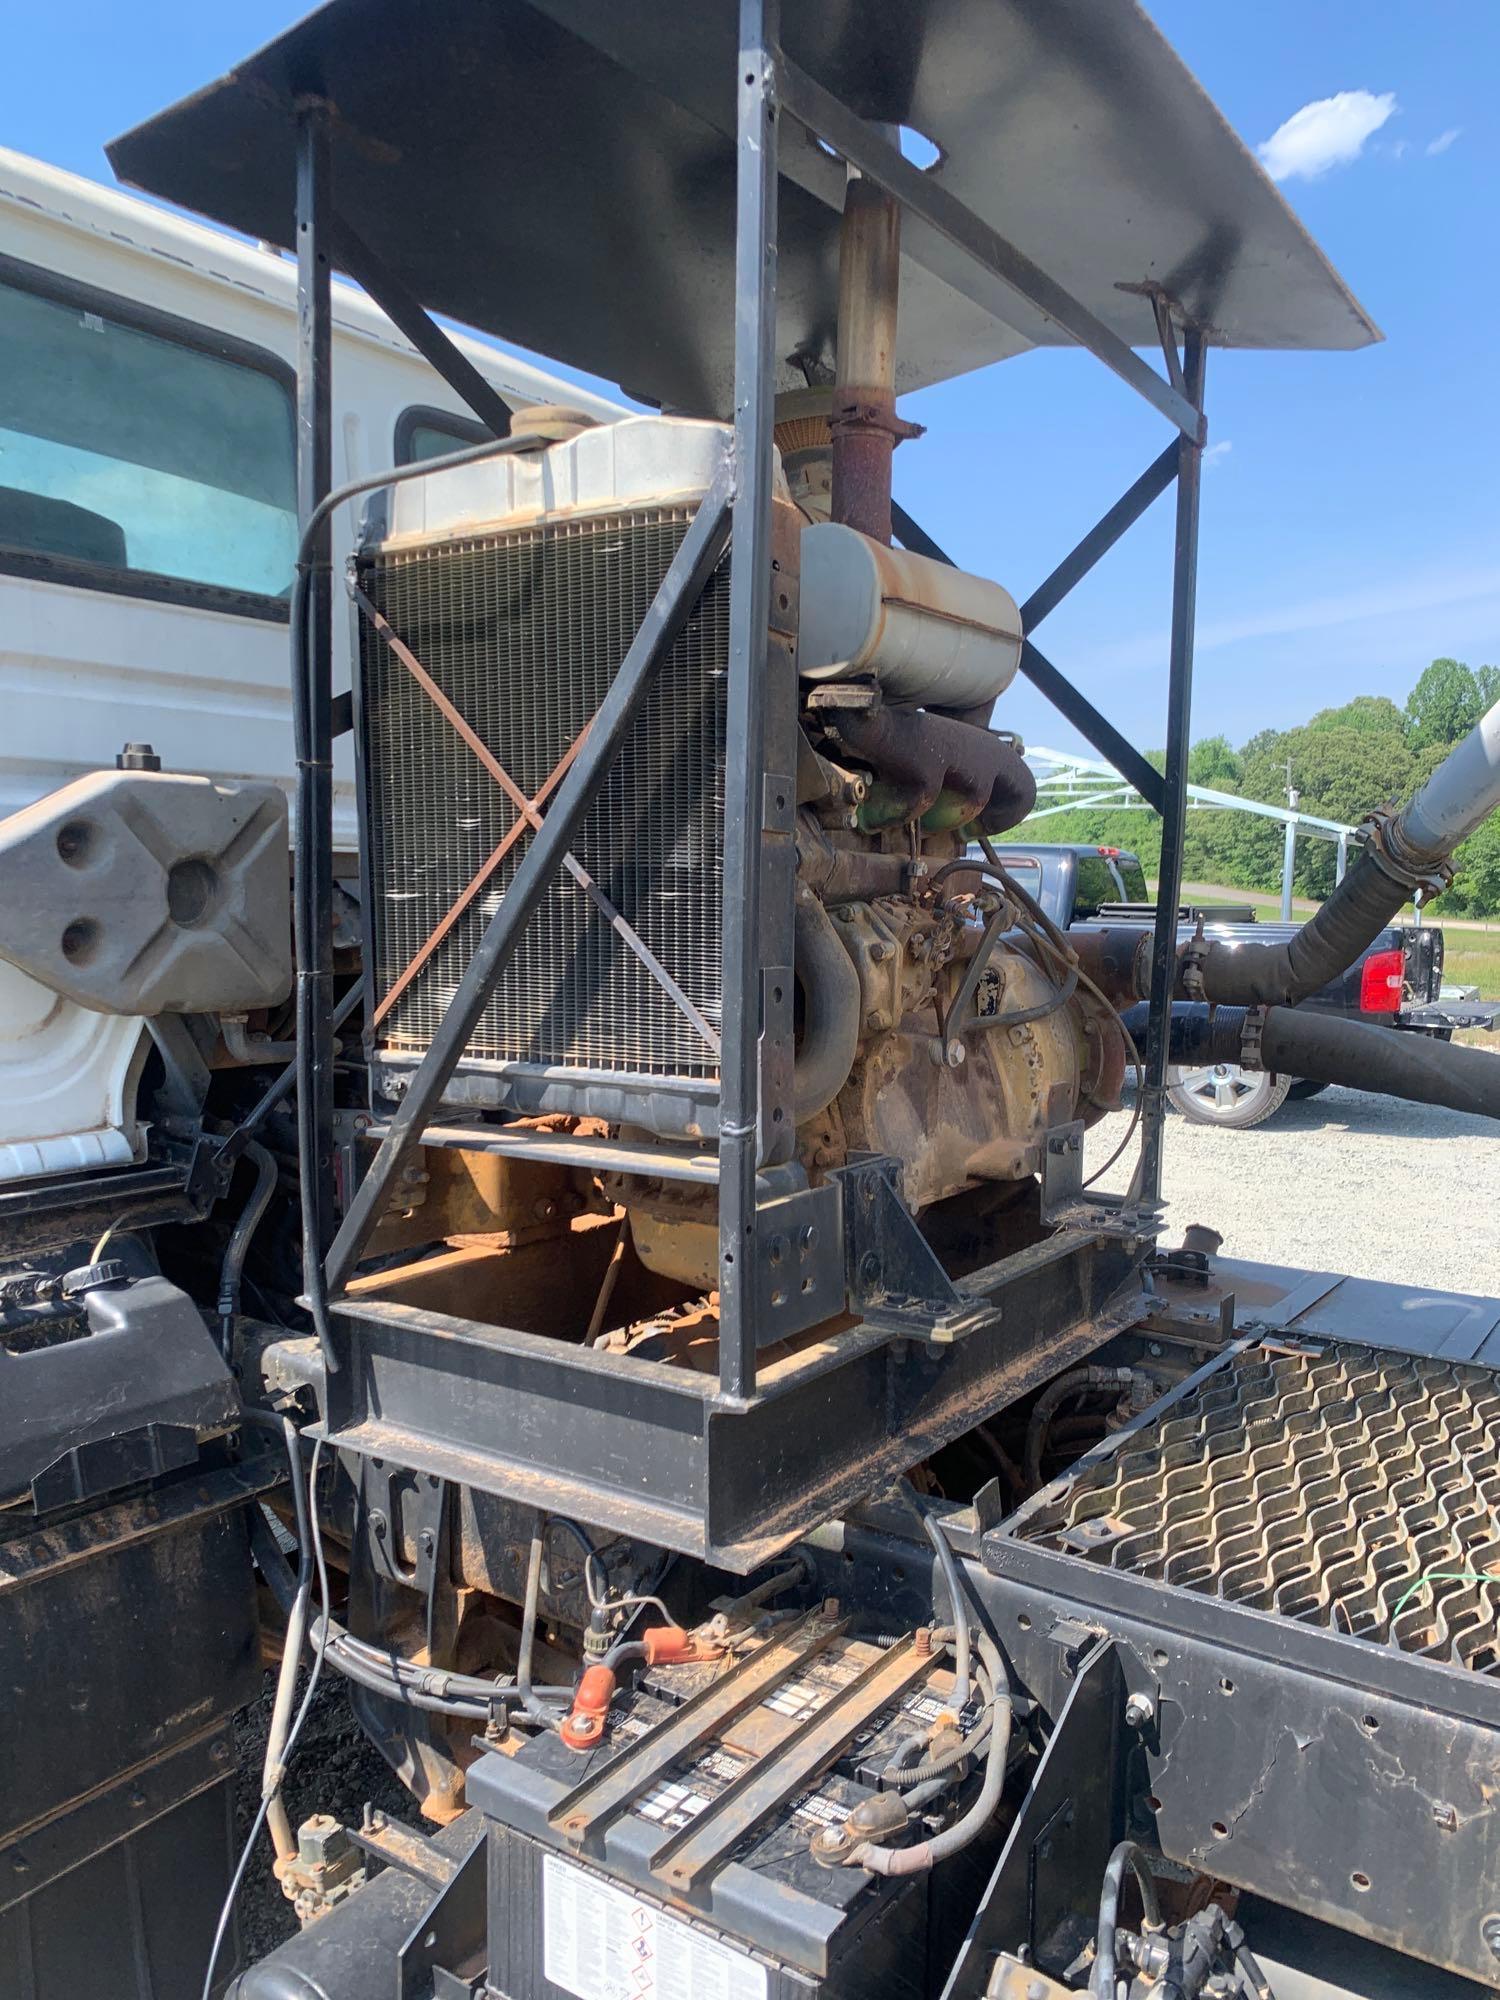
point(601, 1943)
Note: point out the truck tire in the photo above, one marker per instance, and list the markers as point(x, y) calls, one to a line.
point(1304, 1087)
point(1226, 1095)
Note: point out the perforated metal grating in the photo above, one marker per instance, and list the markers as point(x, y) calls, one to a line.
point(1343, 1486)
point(523, 632)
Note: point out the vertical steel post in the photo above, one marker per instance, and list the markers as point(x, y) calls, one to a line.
point(1174, 785)
point(749, 623)
point(1341, 864)
point(314, 829)
point(1289, 857)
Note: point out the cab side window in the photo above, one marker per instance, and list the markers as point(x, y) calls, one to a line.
point(423, 433)
point(139, 453)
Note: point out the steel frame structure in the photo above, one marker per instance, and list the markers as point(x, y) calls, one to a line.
point(1099, 1244)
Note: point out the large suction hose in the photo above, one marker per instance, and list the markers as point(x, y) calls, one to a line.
point(1459, 796)
point(832, 1009)
point(1357, 1054)
point(1363, 1056)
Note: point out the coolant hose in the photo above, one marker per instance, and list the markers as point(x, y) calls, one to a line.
point(832, 1009)
point(1362, 1056)
point(1459, 796)
point(1199, 1036)
point(1259, 975)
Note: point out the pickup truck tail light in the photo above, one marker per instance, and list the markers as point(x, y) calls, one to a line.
point(1381, 982)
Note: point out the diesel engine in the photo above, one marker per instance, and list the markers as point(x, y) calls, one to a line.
point(938, 1019)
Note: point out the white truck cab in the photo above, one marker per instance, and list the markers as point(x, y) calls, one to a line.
point(148, 524)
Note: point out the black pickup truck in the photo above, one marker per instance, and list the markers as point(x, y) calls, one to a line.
point(1397, 983)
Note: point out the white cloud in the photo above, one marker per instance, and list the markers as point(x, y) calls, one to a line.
point(1327, 133)
point(1443, 140)
point(1218, 452)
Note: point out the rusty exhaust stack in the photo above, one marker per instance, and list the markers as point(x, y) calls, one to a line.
point(864, 423)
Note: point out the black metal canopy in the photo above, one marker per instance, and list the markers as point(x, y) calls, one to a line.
point(562, 174)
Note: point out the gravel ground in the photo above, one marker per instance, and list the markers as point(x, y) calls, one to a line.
point(1369, 1186)
point(334, 1769)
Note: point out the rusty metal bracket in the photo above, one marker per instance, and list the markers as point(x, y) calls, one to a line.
point(893, 1275)
point(1062, 1170)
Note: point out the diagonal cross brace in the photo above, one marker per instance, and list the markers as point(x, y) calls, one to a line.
point(677, 596)
point(475, 883)
point(528, 815)
point(1094, 727)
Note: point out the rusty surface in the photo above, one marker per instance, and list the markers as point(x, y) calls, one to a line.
point(863, 422)
point(455, 1195)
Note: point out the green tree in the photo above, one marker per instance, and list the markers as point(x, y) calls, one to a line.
point(1340, 773)
point(1374, 712)
point(1213, 763)
point(1444, 705)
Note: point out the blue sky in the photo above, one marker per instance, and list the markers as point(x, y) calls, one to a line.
point(1349, 530)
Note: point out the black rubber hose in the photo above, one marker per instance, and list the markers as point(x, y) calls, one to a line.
point(1198, 1036)
point(832, 1009)
point(1258, 975)
point(1362, 1056)
point(958, 1606)
point(1057, 1393)
point(1126, 1855)
point(232, 1270)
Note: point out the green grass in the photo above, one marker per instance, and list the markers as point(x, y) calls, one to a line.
point(1472, 958)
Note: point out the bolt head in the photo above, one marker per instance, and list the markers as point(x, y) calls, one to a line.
point(1140, 1710)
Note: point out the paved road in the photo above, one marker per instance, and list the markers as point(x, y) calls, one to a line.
point(1371, 1186)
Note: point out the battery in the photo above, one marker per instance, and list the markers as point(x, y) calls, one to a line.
point(674, 1861)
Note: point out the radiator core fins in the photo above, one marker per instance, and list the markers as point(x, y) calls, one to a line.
point(523, 632)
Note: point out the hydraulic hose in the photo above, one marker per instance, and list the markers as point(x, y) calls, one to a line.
point(232, 1271)
point(1052, 1397)
point(1126, 1855)
point(1362, 1056)
point(832, 1009)
point(1459, 796)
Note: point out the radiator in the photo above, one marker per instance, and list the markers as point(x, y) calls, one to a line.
point(523, 630)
